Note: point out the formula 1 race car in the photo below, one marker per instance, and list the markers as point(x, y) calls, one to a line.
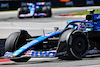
point(75, 41)
point(36, 9)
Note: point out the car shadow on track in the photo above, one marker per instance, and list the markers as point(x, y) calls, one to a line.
point(10, 18)
point(56, 60)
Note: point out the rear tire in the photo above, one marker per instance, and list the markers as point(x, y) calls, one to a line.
point(78, 47)
point(73, 44)
point(49, 12)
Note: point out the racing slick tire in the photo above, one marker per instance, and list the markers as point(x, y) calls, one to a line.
point(49, 12)
point(19, 15)
point(79, 46)
point(15, 41)
point(73, 44)
point(22, 10)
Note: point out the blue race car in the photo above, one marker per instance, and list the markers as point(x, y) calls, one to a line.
point(36, 8)
point(76, 40)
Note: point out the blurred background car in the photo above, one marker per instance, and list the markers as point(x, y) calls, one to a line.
point(36, 8)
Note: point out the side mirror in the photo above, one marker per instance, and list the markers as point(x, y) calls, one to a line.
point(56, 28)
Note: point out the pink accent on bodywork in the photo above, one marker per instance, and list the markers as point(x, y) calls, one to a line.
point(25, 15)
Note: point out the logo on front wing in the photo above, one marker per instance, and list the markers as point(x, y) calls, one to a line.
point(40, 53)
point(43, 54)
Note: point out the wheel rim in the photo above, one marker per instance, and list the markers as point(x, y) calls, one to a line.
point(79, 46)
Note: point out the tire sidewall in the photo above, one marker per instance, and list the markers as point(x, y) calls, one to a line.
point(11, 41)
point(74, 36)
point(15, 41)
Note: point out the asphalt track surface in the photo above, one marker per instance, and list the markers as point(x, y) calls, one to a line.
point(10, 23)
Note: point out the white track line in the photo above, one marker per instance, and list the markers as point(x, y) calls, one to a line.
point(91, 66)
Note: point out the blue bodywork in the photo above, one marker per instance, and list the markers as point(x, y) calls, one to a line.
point(34, 42)
point(32, 7)
point(93, 25)
point(84, 25)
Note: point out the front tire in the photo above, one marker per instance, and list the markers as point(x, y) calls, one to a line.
point(15, 41)
point(19, 15)
point(11, 42)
